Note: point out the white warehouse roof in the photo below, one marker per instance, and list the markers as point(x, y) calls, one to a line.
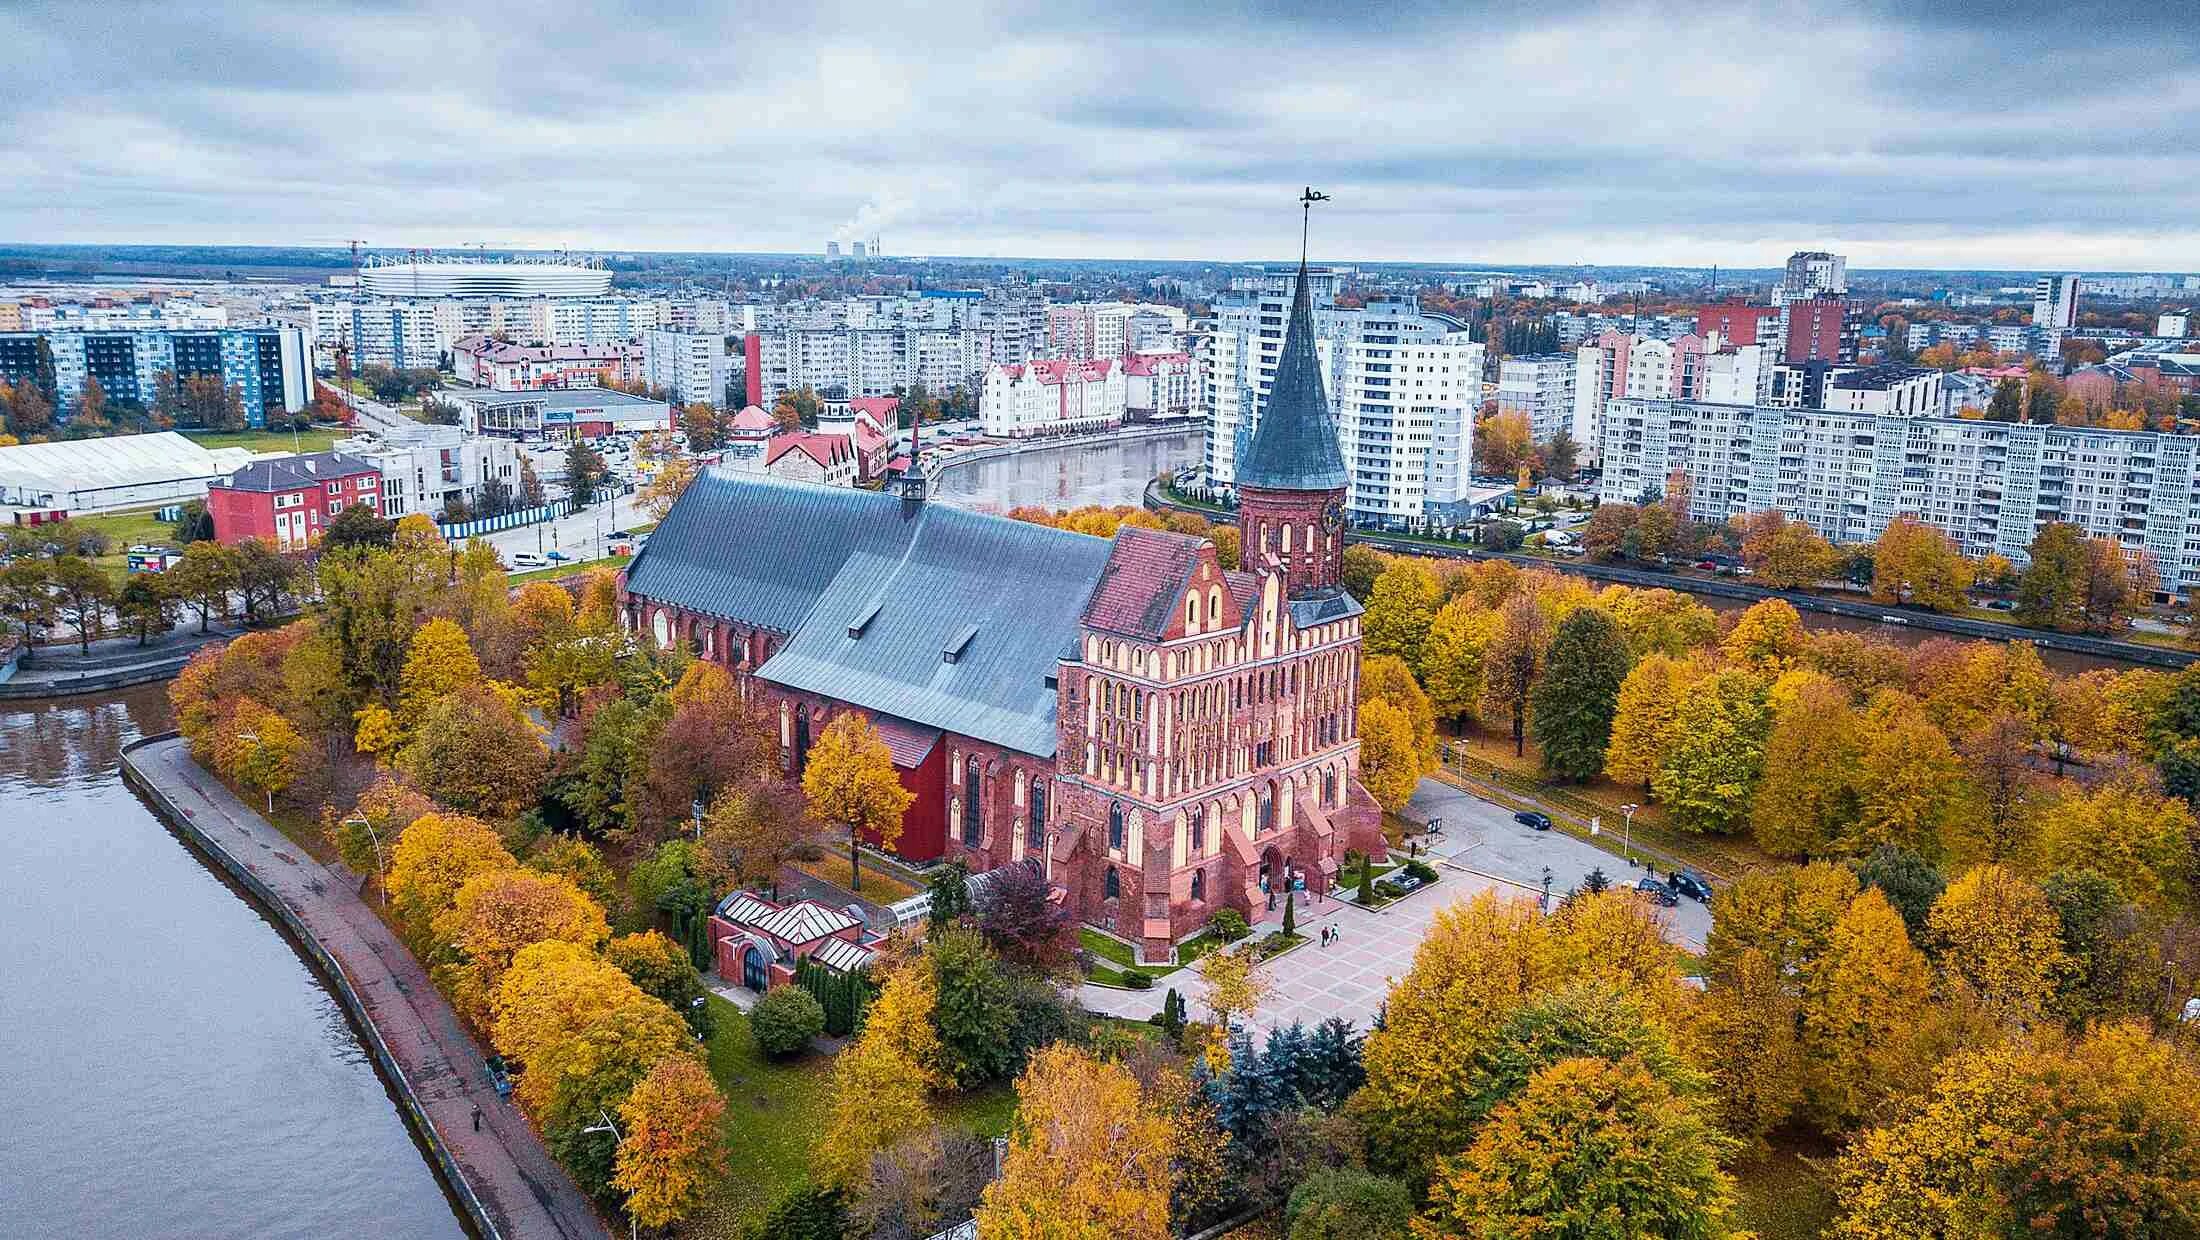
point(94, 475)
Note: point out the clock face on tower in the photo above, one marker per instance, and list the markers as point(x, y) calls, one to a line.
point(1333, 516)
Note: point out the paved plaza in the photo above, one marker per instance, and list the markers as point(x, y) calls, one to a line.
point(1479, 849)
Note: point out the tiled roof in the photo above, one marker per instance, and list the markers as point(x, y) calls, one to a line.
point(909, 743)
point(843, 956)
point(884, 410)
point(806, 921)
point(753, 419)
point(1146, 573)
point(826, 450)
point(1295, 446)
point(289, 473)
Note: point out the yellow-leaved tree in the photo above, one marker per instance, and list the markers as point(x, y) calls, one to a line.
point(1391, 765)
point(1866, 1011)
point(1087, 1156)
point(1644, 722)
point(880, 1084)
point(435, 857)
point(375, 733)
point(439, 660)
point(671, 1150)
point(496, 914)
point(1451, 658)
point(1768, 638)
point(850, 781)
point(2125, 829)
point(1233, 992)
point(1401, 609)
point(2000, 943)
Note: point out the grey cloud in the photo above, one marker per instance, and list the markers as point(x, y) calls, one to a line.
point(1620, 131)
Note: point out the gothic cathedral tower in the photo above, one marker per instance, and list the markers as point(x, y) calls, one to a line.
point(1291, 483)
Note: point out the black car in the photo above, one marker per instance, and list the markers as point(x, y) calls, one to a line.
point(1533, 820)
point(1691, 884)
point(1658, 892)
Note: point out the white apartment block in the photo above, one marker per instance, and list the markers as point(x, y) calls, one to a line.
point(1615, 365)
point(1052, 398)
point(1541, 387)
point(2055, 302)
point(1403, 386)
point(691, 367)
point(415, 333)
point(424, 467)
point(1989, 486)
point(1160, 385)
point(870, 361)
point(1811, 275)
point(1897, 391)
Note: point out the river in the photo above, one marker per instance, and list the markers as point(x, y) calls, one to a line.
point(1070, 476)
point(169, 1065)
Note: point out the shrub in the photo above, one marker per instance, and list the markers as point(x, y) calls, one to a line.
point(784, 1021)
point(806, 1212)
point(1421, 870)
point(1229, 925)
point(1343, 1204)
point(1138, 981)
point(1389, 890)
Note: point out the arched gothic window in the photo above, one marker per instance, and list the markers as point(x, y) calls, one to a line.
point(1035, 831)
point(1264, 813)
point(973, 801)
point(1112, 886)
point(1115, 825)
point(1199, 885)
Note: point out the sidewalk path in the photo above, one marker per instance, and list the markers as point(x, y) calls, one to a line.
point(520, 1188)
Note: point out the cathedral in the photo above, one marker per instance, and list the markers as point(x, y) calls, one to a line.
point(1159, 736)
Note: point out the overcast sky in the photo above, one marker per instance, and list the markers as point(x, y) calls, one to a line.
point(2024, 134)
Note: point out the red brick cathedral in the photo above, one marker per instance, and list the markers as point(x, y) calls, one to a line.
point(1159, 736)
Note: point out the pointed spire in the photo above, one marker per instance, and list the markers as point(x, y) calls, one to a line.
point(1295, 446)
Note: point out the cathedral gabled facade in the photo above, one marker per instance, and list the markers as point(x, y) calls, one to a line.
point(1157, 735)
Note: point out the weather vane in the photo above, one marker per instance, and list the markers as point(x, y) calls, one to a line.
point(1306, 209)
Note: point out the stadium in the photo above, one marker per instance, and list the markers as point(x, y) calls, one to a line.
point(474, 277)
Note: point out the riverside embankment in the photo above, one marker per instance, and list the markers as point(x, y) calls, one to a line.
point(503, 1178)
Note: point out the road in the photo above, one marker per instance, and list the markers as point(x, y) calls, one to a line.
point(373, 414)
point(581, 535)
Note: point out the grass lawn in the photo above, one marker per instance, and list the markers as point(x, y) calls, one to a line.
point(775, 1111)
point(878, 884)
point(127, 529)
point(319, 439)
point(1783, 1196)
point(1122, 960)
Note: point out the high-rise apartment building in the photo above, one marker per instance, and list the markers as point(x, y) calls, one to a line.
point(2055, 302)
point(1403, 389)
point(867, 361)
point(1812, 275)
point(1989, 486)
point(269, 366)
point(1819, 329)
point(1689, 368)
point(691, 367)
point(1539, 386)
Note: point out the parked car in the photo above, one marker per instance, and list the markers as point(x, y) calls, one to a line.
point(528, 559)
point(1532, 820)
point(557, 557)
point(1691, 884)
point(1708, 565)
point(1658, 892)
point(2001, 604)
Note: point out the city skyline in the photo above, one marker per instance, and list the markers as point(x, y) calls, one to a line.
point(1611, 135)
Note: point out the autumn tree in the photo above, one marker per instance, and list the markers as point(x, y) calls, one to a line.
point(474, 751)
point(750, 832)
point(82, 594)
point(1459, 639)
point(1910, 785)
point(672, 479)
point(880, 1084)
point(1768, 638)
point(1514, 661)
point(497, 913)
point(2123, 828)
point(1999, 944)
point(1750, 1016)
point(1806, 797)
point(1590, 1147)
point(1787, 555)
point(2040, 1136)
point(669, 1151)
point(1502, 442)
point(1387, 678)
point(204, 579)
point(439, 660)
point(435, 856)
point(1645, 721)
point(146, 606)
point(2050, 593)
point(851, 783)
point(1401, 611)
point(258, 748)
point(1664, 622)
point(1086, 1156)
point(1865, 1004)
point(1709, 773)
point(1576, 700)
point(1916, 563)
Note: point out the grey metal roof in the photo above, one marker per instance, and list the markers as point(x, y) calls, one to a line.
point(806, 921)
point(288, 473)
point(760, 549)
point(1308, 611)
point(842, 956)
point(1295, 446)
point(1003, 597)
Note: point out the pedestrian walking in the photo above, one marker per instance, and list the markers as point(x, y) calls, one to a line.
point(477, 1119)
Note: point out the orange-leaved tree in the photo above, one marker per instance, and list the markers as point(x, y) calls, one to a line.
point(1088, 1157)
point(671, 1152)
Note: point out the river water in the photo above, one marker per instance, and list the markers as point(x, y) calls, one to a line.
point(169, 1066)
point(1071, 476)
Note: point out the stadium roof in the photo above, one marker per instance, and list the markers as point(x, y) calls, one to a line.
point(81, 465)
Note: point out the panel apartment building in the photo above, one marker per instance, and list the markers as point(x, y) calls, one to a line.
point(1403, 385)
point(865, 361)
point(1989, 486)
point(268, 365)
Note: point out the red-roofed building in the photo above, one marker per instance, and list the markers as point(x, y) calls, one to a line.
point(289, 500)
point(1157, 386)
point(807, 456)
point(865, 424)
point(504, 367)
point(1056, 397)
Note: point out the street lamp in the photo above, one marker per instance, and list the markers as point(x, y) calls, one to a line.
point(1629, 810)
point(376, 838)
point(633, 1229)
point(259, 753)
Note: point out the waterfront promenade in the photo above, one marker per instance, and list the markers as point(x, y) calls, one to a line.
point(505, 1180)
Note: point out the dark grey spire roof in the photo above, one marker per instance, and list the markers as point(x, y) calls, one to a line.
point(1295, 446)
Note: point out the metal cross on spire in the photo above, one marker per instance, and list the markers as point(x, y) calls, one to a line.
point(1306, 216)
